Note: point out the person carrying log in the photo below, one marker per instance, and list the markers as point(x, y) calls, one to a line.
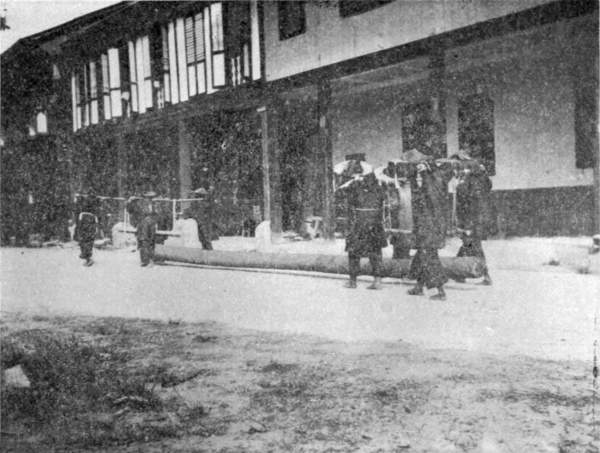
point(366, 235)
point(428, 189)
point(474, 212)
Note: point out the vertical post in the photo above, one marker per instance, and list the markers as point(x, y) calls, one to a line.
point(121, 162)
point(270, 160)
point(264, 127)
point(438, 98)
point(325, 153)
point(185, 160)
point(597, 132)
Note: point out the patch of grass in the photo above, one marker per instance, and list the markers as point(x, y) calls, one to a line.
point(71, 382)
point(281, 368)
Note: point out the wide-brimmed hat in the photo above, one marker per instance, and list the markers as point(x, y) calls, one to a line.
point(346, 166)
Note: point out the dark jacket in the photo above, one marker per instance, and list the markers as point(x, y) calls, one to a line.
point(146, 230)
point(474, 206)
point(365, 216)
point(429, 201)
point(87, 221)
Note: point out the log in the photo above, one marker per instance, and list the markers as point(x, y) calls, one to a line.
point(463, 267)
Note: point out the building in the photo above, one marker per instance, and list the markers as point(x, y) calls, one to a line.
point(259, 99)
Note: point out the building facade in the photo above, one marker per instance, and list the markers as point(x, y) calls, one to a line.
point(257, 100)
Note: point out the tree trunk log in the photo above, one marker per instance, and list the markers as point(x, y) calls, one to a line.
point(464, 267)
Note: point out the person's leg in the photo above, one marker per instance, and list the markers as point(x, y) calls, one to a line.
point(353, 270)
point(416, 273)
point(86, 252)
point(144, 255)
point(434, 275)
point(204, 237)
point(376, 260)
point(401, 246)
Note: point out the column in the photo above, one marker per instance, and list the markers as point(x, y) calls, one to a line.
point(325, 156)
point(438, 97)
point(270, 164)
point(185, 161)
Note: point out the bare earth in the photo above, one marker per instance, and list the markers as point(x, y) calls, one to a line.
point(133, 385)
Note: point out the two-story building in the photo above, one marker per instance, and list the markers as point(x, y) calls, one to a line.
point(260, 99)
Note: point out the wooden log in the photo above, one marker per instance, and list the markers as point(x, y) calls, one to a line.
point(464, 267)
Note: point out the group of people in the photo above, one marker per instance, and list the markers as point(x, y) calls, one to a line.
point(428, 180)
point(145, 219)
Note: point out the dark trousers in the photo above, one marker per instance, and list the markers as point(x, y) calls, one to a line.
point(427, 269)
point(401, 244)
point(204, 237)
point(146, 252)
point(86, 248)
point(471, 246)
point(375, 259)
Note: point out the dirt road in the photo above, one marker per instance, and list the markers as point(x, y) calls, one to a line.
point(124, 385)
point(542, 314)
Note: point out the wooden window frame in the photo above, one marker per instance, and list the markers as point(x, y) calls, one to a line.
point(285, 10)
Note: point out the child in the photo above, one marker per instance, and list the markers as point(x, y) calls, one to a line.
point(85, 228)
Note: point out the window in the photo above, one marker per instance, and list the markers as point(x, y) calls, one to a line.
point(292, 19)
point(353, 7)
point(217, 45)
point(239, 42)
point(75, 101)
point(106, 107)
point(41, 123)
point(195, 54)
point(476, 129)
point(93, 93)
point(140, 75)
point(114, 79)
point(586, 120)
point(164, 94)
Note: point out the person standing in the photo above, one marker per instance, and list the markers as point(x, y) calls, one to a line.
point(86, 227)
point(200, 210)
point(146, 232)
point(428, 189)
point(366, 235)
point(474, 212)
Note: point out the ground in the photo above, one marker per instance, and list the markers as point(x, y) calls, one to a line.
point(182, 358)
point(187, 387)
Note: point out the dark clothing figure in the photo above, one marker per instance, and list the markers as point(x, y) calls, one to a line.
point(366, 235)
point(199, 211)
point(428, 186)
point(86, 228)
point(475, 215)
point(146, 238)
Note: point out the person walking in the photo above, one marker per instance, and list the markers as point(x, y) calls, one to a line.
point(428, 190)
point(474, 212)
point(86, 226)
point(366, 235)
point(146, 232)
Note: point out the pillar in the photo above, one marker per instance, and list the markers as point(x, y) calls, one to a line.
point(325, 157)
point(437, 81)
point(185, 161)
point(270, 163)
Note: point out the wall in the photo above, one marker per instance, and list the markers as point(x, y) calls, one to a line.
point(330, 38)
point(530, 76)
